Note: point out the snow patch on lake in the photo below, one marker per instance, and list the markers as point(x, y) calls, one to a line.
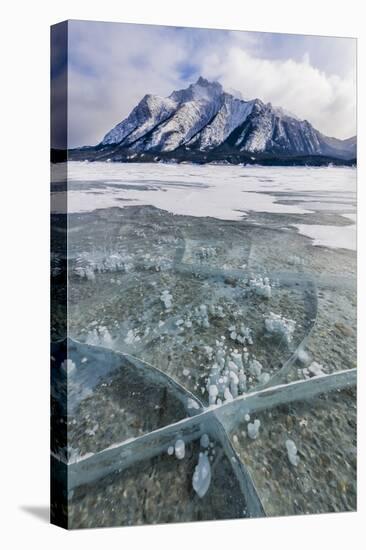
point(222, 192)
point(332, 236)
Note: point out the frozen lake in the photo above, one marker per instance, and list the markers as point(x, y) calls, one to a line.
point(210, 295)
point(223, 192)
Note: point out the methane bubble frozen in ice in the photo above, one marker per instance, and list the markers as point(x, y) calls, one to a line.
point(202, 476)
point(180, 449)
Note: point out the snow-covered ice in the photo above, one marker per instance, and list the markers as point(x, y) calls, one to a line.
point(223, 192)
point(332, 236)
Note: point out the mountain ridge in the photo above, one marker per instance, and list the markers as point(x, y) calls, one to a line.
point(203, 123)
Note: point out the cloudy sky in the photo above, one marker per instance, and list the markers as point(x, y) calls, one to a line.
point(113, 65)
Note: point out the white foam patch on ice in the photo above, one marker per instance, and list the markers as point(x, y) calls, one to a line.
point(332, 236)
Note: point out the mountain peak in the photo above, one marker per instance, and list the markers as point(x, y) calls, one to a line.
point(202, 89)
point(201, 81)
point(208, 84)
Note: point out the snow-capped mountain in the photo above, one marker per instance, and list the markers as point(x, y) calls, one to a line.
point(203, 122)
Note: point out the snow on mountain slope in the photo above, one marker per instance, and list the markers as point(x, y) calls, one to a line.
point(203, 117)
point(196, 106)
point(189, 119)
point(270, 130)
point(232, 113)
point(151, 110)
point(260, 130)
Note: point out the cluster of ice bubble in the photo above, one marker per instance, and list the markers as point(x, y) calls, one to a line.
point(253, 428)
point(205, 253)
point(292, 452)
point(241, 334)
point(202, 473)
point(99, 336)
point(153, 263)
point(261, 286)
point(200, 316)
point(132, 337)
point(255, 369)
point(68, 366)
point(278, 325)
point(115, 262)
point(296, 260)
point(192, 404)
point(89, 264)
point(227, 377)
point(314, 369)
point(167, 299)
point(303, 356)
point(231, 373)
point(56, 264)
point(85, 272)
point(179, 449)
point(183, 323)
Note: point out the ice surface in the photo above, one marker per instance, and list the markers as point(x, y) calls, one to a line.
point(229, 379)
point(223, 192)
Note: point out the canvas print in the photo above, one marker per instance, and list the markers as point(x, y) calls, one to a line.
point(203, 268)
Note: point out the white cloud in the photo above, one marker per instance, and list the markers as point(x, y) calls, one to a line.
point(327, 101)
point(111, 71)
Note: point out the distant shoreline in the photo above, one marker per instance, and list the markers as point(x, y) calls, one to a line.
point(93, 154)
